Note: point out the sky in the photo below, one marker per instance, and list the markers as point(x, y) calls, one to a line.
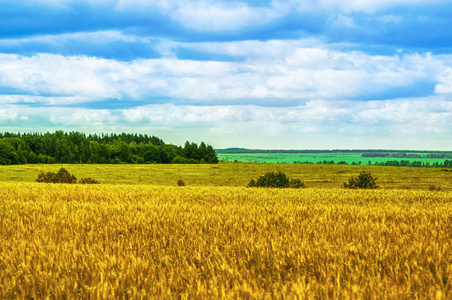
point(267, 74)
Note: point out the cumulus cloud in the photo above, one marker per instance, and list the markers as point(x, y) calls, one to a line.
point(233, 69)
point(367, 22)
point(302, 74)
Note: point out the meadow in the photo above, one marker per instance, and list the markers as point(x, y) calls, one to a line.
point(236, 174)
point(138, 236)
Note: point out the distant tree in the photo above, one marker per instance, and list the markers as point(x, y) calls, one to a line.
point(211, 156)
point(125, 154)
point(164, 158)
point(20, 155)
point(7, 154)
point(183, 160)
point(189, 150)
point(76, 147)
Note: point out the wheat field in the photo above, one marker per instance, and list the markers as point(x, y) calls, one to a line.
point(213, 242)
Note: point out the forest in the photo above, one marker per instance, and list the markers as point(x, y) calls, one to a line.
point(77, 147)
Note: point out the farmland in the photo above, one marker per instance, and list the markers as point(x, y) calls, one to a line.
point(138, 235)
point(350, 157)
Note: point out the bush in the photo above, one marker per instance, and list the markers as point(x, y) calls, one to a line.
point(48, 177)
point(180, 182)
point(434, 188)
point(363, 181)
point(296, 183)
point(88, 180)
point(63, 176)
point(279, 180)
point(252, 183)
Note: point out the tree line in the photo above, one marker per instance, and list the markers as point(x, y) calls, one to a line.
point(77, 147)
point(390, 163)
point(364, 152)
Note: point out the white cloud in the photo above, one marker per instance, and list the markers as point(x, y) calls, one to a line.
point(413, 115)
point(202, 5)
point(405, 123)
point(6, 116)
point(208, 15)
point(93, 117)
point(390, 19)
point(344, 21)
point(444, 85)
point(60, 76)
point(303, 73)
point(98, 37)
point(220, 15)
point(313, 78)
point(349, 6)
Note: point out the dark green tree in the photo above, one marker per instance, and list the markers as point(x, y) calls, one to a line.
point(76, 147)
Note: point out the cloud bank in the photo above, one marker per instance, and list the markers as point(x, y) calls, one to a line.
point(266, 74)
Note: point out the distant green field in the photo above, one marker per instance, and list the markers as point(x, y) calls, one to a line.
point(337, 157)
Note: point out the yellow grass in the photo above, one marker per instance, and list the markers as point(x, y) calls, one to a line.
point(238, 174)
point(142, 241)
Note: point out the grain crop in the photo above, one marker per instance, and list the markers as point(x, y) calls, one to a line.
point(212, 242)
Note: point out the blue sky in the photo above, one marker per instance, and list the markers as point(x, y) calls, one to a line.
point(286, 74)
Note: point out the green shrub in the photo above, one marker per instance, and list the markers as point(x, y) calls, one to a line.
point(48, 177)
point(278, 180)
point(63, 176)
point(363, 181)
point(296, 183)
point(252, 183)
point(180, 182)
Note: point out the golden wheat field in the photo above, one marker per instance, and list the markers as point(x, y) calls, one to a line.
point(62, 241)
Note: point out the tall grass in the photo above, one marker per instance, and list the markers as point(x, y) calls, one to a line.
point(136, 241)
